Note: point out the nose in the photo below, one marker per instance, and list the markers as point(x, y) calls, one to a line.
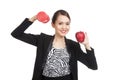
point(64, 26)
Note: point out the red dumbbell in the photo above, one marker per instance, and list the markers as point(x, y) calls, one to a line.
point(80, 36)
point(43, 17)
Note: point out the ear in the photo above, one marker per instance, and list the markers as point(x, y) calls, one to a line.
point(52, 25)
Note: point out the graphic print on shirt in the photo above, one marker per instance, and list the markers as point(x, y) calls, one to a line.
point(57, 63)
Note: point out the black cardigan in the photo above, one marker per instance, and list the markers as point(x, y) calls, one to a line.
point(43, 42)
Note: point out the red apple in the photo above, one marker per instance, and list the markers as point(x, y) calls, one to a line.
point(80, 36)
point(43, 17)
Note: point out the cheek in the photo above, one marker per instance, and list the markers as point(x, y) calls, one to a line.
point(57, 28)
point(69, 28)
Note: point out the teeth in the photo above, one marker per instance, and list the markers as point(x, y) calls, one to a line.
point(63, 31)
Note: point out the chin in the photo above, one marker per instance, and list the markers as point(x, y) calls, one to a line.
point(63, 35)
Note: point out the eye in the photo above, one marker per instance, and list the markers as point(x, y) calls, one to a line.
point(60, 23)
point(67, 23)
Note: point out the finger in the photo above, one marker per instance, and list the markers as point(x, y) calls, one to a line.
point(85, 33)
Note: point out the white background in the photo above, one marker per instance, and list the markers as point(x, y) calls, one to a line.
point(99, 18)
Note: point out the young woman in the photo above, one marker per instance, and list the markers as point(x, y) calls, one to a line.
point(56, 55)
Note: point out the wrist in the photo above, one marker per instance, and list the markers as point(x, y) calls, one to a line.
point(32, 19)
point(87, 46)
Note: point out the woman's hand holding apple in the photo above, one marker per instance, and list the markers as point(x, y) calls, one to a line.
point(42, 17)
point(83, 39)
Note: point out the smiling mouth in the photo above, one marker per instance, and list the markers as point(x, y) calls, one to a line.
point(63, 31)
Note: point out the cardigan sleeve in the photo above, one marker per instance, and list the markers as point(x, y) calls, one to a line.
point(18, 33)
point(87, 58)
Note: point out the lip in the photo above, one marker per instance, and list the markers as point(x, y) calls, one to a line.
point(63, 31)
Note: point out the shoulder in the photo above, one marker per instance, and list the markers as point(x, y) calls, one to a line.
point(43, 35)
point(72, 42)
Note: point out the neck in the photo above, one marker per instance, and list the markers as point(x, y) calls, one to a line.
point(59, 41)
point(59, 38)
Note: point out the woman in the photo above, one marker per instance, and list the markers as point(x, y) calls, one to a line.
point(56, 55)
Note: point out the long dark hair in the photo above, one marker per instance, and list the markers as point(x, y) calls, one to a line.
point(60, 12)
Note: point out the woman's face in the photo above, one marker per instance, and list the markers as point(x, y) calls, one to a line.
point(61, 25)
